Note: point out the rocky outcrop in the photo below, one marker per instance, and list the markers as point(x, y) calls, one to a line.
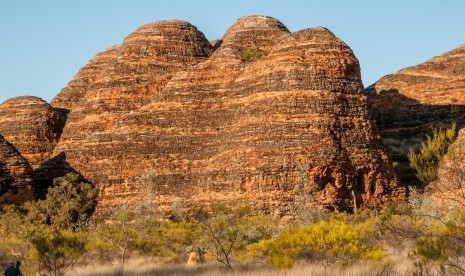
point(412, 101)
point(143, 64)
point(289, 126)
point(32, 126)
point(435, 82)
point(15, 175)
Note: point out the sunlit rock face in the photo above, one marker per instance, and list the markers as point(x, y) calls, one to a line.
point(288, 127)
point(32, 126)
point(408, 104)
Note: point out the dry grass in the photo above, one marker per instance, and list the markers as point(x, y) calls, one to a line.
point(401, 266)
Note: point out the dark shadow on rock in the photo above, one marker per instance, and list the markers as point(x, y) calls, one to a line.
point(15, 175)
point(61, 120)
point(216, 44)
point(14, 189)
point(404, 122)
point(49, 170)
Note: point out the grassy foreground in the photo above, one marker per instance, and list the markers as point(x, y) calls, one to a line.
point(402, 266)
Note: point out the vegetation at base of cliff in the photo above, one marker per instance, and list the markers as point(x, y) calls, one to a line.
point(426, 239)
point(251, 54)
point(328, 242)
point(426, 161)
point(52, 233)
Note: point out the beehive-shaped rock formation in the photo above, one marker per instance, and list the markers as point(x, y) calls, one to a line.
point(32, 126)
point(208, 123)
point(15, 175)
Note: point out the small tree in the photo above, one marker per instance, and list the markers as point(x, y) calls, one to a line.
point(16, 233)
point(47, 230)
point(441, 247)
point(426, 161)
point(57, 251)
point(221, 234)
point(226, 233)
point(146, 205)
point(69, 203)
point(118, 232)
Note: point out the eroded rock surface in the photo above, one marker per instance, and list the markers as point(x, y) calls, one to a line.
point(291, 127)
point(32, 126)
point(411, 102)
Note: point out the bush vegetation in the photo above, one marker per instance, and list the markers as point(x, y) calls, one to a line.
point(251, 54)
point(325, 242)
point(431, 242)
point(426, 161)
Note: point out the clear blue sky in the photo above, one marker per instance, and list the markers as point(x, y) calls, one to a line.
point(44, 43)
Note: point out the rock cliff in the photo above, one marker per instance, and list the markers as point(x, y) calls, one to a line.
point(260, 116)
point(32, 126)
point(15, 175)
point(412, 101)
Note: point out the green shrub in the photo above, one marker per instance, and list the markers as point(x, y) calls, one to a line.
point(442, 246)
point(57, 251)
point(226, 233)
point(251, 54)
point(426, 161)
point(169, 240)
point(332, 241)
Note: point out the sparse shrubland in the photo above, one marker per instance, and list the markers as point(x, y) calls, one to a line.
point(50, 234)
point(398, 241)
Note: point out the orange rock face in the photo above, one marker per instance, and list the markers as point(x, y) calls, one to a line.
point(439, 81)
point(412, 101)
point(288, 125)
point(32, 126)
point(15, 175)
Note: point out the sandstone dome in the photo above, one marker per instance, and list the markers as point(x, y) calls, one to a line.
point(287, 129)
point(32, 126)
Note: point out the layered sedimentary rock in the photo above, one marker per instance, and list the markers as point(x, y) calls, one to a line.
point(291, 126)
point(439, 80)
point(15, 175)
point(32, 126)
point(412, 101)
point(141, 66)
